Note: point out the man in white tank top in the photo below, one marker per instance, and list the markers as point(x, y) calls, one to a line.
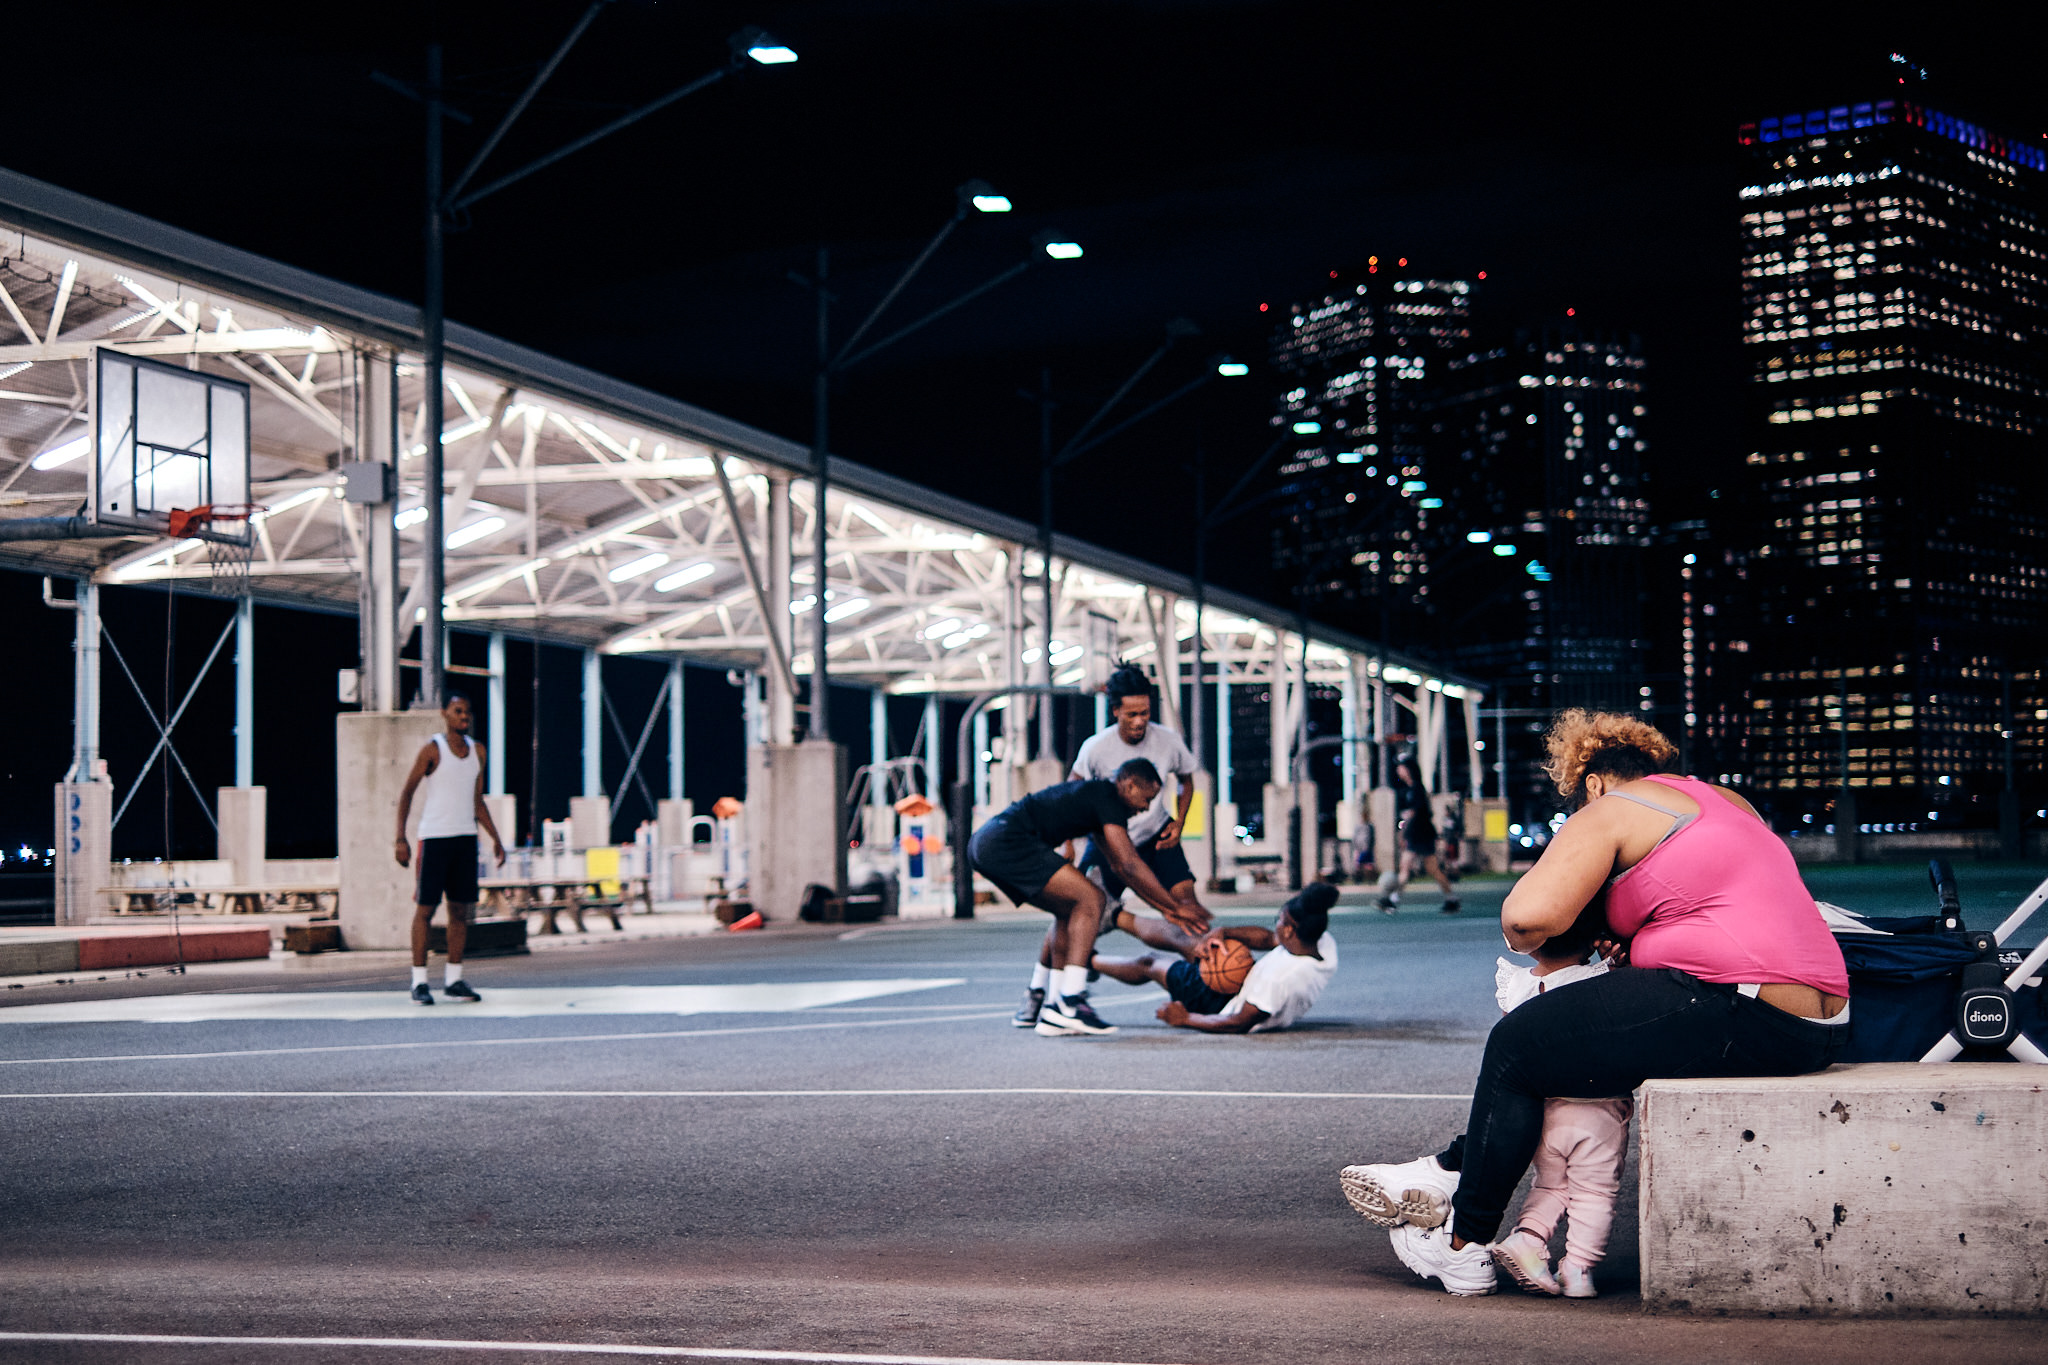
point(451, 766)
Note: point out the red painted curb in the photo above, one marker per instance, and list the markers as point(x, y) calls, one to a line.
point(154, 949)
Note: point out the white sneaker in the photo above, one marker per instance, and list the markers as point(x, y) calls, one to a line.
point(1427, 1252)
point(1417, 1192)
point(1526, 1259)
point(1577, 1281)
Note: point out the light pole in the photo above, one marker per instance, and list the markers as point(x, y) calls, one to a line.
point(975, 196)
point(748, 47)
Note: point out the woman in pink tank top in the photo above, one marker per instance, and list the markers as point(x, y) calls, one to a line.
point(1730, 972)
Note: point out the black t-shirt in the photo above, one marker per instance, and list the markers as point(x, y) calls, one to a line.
point(1072, 810)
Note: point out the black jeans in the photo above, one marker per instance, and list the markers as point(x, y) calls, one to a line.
point(1600, 1039)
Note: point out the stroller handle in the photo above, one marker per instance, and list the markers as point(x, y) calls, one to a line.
point(1943, 878)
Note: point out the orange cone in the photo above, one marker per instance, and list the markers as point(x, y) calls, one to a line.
point(751, 920)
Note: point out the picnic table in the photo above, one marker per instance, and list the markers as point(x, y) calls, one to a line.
point(318, 897)
point(549, 896)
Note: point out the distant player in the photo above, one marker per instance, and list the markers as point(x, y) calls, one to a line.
point(1285, 984)
point(1154, 832)
point(451, 767)
point(1418, 842)
point(1018, 850)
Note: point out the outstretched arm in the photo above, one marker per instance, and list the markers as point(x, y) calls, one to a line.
point(1243, 1019)
point(1254, 936)
point(1170, 835)
point(1131, 870)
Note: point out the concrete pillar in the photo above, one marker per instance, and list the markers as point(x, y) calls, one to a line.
point(1168, 637)
point(84, 829)
point(494, 722)
point(980, 763)
point(1101, 712)
point(377, 597)
point(243, 816)
point(1348, 701)
point(373, 753)
point(1475, 774)
point(935, 753)
point(878, 747)
point(753, 716)
point(245, 692)
point(781, 703)
point(590, 821)
point(675, 728)
point(1224, 795)
point(593, 724)
point(795, 824)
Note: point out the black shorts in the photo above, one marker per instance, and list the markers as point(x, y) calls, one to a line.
point(1418, 836)
point(445, 867)
point(1169, 865)
point(1016, 861)
point(1184, 983)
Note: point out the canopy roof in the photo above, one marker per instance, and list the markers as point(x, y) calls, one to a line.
point(581, 510)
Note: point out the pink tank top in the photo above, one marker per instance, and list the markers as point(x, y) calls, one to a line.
point(1720, 897)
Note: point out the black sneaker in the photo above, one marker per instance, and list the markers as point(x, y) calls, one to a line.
point(460, 990)
point(1072, 1014)
point(1387, 905)
point(1027, 1013)
point(421, 995)
point(1452, 905)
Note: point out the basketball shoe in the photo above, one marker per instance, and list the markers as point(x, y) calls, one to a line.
point(1071, 1014)
point(1417, 1192)
point(1428, 1252)
point(1028, 1012)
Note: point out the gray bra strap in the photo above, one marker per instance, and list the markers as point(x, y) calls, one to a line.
point(1645, 801)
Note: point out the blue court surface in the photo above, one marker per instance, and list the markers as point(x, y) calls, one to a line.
point(802, 1144)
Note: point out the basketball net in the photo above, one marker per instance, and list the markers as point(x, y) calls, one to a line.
point(228, 560)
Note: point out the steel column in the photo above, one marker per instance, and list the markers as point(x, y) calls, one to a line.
point(878, 747)
point(934, 758)
point(781, 700)
point(593, 723)
point(494, 699)
point(245, 692)
point(1222, 761)
point(675, 728)
point(85, 684)
point(377, 605)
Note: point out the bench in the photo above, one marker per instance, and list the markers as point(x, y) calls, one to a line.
point(319, 897)
point(522, 896)
point(1889, 1188)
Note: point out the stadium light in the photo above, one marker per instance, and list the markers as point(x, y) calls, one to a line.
point(983, 197)
point(1063, 251)
point(1232, 369)
point(759, 46)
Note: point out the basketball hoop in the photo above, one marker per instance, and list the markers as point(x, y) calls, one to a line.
point(227, 555)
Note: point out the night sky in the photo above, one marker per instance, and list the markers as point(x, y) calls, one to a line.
point(1210, 157)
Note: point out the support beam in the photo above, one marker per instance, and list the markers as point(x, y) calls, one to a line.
point(593, 725)
point(85, 685)
point(1348, 701)
point(675, 728)
point(1280, 727)
point(245, 692)
point(377, 575)
point(494, 746)
point(934, 754)
point(781, 699)
point(878, 747)
point(1224, 795)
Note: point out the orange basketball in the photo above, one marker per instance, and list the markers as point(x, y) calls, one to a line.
point(1225, 965)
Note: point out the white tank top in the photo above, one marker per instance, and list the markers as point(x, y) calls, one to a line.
point(449, 808)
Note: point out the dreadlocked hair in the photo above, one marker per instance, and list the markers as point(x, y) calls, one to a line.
point(1584, 743)
point(1127, 680)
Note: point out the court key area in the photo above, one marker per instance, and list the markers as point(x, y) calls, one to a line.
point(801, 1144)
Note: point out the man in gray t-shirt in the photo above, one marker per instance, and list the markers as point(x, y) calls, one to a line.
point(1155, 832)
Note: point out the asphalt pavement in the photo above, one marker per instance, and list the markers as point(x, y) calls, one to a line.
point(804, 1140)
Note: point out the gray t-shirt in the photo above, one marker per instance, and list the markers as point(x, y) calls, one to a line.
point(1104, 753)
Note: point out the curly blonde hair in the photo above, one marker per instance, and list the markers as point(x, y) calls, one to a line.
point(1581, 739)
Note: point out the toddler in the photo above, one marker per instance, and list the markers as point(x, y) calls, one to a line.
point(1578, 1161)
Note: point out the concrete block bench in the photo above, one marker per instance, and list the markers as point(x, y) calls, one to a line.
point(1895, 1189)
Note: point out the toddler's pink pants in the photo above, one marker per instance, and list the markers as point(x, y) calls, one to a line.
point(1578, 1172)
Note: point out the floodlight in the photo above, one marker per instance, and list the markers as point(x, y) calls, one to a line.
point(633, 568)
point(984, 197)
point(1232, 369)
point(64, 454)
point(1504, 551)
point(759, 46)
point(1307, 428)
point(1063, 251)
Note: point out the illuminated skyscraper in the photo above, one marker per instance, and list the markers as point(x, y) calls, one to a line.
point(1885, 575)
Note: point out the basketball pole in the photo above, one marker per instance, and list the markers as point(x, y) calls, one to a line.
point(434, 625)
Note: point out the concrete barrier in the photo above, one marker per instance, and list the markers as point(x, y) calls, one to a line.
point(1864, 1190)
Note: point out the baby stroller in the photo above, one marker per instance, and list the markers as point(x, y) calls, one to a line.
point(1923, 988)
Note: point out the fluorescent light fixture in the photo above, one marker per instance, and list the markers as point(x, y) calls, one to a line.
point(768, 52)
point(695, 573)
point(956, 640)
point(1478, 537)
point(1430, 503)
point(1504, 551)
point(941, 629)
point(1070, 678)
point(1062, 657)
point(1414, 486)
point(9, 371)
point(1063, 251)
point(64, 454)
point(411, 516)
point(843, 610)
point(1307, 428)
point(475, 531)
point(633, 568)
point(298, 499)
point(1350, 457)
point(803, 604)
point(1232, 369)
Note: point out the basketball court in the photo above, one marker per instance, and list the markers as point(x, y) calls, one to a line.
point(812, 1145)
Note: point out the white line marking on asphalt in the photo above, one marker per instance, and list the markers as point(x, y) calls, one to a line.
point(531, 1347)
point(505, 1042)
point(498, 1003)
point(933, 1092)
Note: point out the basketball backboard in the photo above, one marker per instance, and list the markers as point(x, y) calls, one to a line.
point(168, 440)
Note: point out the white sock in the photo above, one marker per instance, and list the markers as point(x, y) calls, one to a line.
point(419, 976)
point(1387, 884)
point(1041, 977)
point(1073, 981)
point(451, 973)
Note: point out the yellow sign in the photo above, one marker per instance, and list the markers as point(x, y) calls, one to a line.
point(603, 863)
point(1198, 818)
point(1496, 827)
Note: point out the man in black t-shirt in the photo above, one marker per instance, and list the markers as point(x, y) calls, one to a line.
point(1017, 851)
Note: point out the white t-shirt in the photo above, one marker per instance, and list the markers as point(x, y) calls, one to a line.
point(1105, 752)
point(1285, 985)
point(1514, 984)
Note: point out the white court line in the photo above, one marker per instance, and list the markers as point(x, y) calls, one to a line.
point(530, 1347)
point(503, 1042)
point(880, 1093)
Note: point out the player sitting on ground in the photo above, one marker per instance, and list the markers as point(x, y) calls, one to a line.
point(1300, 959)
point(1018, 851)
